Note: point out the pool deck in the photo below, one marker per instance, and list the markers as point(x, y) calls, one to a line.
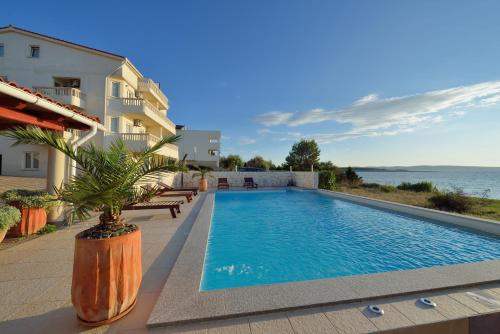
point(35, 280)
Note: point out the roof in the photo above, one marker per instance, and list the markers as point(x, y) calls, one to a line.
point(35, 34)
point(39, 95)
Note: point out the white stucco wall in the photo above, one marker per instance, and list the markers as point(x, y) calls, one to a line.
point(196, 144)
point(236, 179)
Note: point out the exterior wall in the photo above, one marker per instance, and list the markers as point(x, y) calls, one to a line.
point(95, 71)
point(305, 179)
point(236, 179)
point(196, 144)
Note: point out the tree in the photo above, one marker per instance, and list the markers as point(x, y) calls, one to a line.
point(231, 161)
point(304, 154)
point(107, 178)
point(259, 162)
point(351, 176)
point(327, 165)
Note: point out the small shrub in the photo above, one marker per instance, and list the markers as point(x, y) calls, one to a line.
point(387, 188)
point(352, 177)
point(29, 198)
point(327, 180)
point(49, 228)
point(9, 216)
point(454, 200)
point(380, 187)
point(423, 186)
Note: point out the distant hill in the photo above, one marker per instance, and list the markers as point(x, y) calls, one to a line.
point(422, 168)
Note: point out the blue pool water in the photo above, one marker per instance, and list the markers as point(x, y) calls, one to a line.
point(283, 236)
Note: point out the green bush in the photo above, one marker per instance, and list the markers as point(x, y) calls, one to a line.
point(49, 228)
point(455, 200)
point(326, 179)
point(29, 198)
point(382, 188)
point(423, 186)
point(9, 216)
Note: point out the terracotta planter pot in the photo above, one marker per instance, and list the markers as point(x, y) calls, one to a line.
point(107, 275)
point(32, 220)
point(203, 185)
point(2, 234)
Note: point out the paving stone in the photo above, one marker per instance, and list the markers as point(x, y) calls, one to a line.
point(305, 322)
point(275, 323)
point(231, 326)
point(418, 313)
point(349, 320)
point(391, 319)
point(480, 301)
point(452, 309)
point(460, 326)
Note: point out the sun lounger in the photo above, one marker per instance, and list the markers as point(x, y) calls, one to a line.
point(248, 183)
point(165, 188)
point(222, 183)
point(160, 193)
point(173, 206)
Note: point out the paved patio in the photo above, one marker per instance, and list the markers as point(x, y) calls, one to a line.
point(35, 280)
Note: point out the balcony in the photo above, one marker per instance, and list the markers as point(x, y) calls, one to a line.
point(139, 141)
point(143, 110)
point(67, 95)
point(148, 86)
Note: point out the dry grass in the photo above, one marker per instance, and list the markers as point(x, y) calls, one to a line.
point(483, 208)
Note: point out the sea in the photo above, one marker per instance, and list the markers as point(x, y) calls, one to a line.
point(475, 181)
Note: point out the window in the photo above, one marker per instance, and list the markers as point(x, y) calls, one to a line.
point(31, 160)
point(67, 82)
point(114, 124)
point(212, 152)
point(34, 51)
point(2, 48)
point(115, 89)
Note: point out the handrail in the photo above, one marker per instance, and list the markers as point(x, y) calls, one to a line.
point(60, 91)
point(149, 84)
point(134, 101)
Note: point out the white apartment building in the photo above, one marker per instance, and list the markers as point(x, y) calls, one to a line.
point(99, 83)
point(201, 147)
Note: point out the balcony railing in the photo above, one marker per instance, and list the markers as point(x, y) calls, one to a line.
point(135, 105)
point(68, 95)
point(148, 85)
point(139, 141)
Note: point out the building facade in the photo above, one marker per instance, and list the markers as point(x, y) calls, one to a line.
point(130, 106)
point(200, 147)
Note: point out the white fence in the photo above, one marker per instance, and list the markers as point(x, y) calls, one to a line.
point(236, 179)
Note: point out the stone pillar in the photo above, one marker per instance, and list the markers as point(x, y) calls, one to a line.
point(55, 178)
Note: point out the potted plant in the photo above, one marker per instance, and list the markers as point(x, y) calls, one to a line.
point(9, 216)
point(33, 205)
point(107, 262)
point(202, 173)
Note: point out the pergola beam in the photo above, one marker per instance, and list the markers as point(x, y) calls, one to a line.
point(14, 116)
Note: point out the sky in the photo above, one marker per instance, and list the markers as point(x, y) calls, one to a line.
point(375, 83)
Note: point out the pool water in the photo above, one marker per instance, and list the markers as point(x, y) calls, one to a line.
point(266, 237)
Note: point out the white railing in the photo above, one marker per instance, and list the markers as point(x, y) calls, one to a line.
point(139, 141)
point(60, 91)
point(137, 102)
point(145, 84)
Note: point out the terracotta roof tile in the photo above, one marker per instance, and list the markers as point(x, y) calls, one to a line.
point(40, 95)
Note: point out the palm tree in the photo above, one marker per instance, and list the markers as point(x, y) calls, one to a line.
point(106, 177)
point(202, 172)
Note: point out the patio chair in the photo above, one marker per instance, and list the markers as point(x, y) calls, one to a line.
point(173, 206)
point(161, 193)
point(249, 184)
point(222, 183)
point(166, 188)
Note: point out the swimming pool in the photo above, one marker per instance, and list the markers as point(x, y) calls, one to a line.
point(266, 237)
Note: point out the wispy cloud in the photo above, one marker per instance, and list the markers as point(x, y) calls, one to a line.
point(373, 116)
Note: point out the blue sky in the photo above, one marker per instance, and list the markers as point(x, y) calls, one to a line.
point(375, 82)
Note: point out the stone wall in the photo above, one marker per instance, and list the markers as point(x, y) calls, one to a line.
point(235, 179)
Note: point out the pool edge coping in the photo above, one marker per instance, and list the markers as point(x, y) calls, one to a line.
point(181, 302)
